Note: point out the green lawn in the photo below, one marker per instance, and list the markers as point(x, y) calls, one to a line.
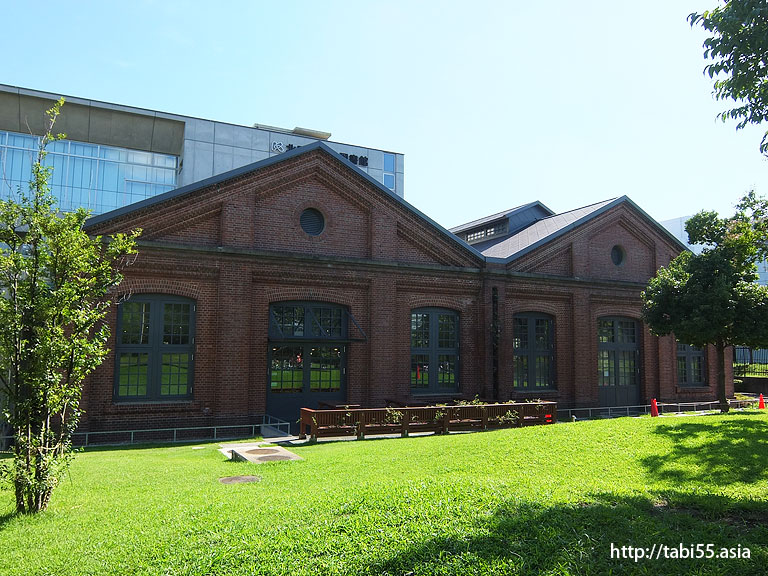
point(539, 500)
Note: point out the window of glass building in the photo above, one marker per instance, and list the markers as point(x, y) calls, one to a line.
point(389, 171)
point(96, 177)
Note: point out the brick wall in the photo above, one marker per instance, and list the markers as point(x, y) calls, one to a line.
point(236, 246)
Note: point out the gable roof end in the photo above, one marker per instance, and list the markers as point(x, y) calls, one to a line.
point(256, 166)
point(547, 229)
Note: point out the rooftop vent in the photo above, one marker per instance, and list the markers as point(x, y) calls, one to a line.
point(320, 135)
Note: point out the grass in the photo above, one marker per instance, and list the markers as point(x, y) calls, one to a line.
point(539, 500)
point(750, 370)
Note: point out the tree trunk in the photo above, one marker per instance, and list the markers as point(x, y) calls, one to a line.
point(721, 397)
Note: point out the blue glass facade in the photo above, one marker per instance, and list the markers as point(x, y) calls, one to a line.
point(97, 177)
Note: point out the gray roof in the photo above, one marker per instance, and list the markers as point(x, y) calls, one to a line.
point(498, 216)
point(548, 229)
point(541, 230)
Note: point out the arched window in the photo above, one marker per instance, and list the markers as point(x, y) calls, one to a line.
point(154, 355)
point(533, 341)
point(307, 347)
point(434, 351)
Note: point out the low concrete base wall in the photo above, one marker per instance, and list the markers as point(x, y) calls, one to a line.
point(752, 384)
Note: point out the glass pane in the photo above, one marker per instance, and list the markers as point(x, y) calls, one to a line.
point(626, 368)
point(135, 323)
point(446, 374)
point(287, 369)
point(419, 371)
point(627, 331)
point(174, 375)
point(419, 330)
point(325, 369)
point(132, 374)
point(605, 331)
point(697, 370)
point(389, 181)
point(543, 366)
point(543, 329)
point(290, 319)
point(389, 162)
point(520, 333)
point(521, 371)
point(447, 331)
point(176, 323)
point(327, 322)
point(605, 367)
point(682, 370)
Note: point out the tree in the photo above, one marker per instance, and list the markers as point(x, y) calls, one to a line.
point(738, 49)
point(712, 297)
point(54, 286)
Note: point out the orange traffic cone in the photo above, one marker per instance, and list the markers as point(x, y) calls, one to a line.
point(654, 408)
point(761, 404)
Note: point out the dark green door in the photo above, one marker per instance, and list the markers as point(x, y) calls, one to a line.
point(307, 357)
point(618, 362)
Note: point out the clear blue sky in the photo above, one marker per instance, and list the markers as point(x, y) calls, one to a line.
point(494, 104)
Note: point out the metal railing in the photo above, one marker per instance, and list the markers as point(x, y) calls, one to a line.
point(178, 434)
point(750, 362)
point(565, 414)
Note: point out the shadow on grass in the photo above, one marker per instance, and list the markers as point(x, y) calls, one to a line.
point(524, 538)
point(731, 451)
point(6, 517)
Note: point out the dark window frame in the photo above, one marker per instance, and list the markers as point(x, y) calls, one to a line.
point(446, 357)
point(689, 355)
point(323, 335)
point(528, 350)
point(615, 352)
point(156, 348)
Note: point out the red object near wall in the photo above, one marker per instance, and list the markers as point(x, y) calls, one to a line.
point(654, 408)
point(761, 404)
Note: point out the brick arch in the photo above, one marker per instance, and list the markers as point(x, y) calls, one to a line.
point(541, 307)
point(158, 286)
point(432, 301)
point(625, 310)
point(331, 296)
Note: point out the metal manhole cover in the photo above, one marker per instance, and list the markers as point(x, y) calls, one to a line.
point(239, 479)
point(260, 451)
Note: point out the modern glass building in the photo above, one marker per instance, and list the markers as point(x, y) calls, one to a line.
point(116, 155)
point(97, 177)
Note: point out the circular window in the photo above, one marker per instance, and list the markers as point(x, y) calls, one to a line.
point(617, 255)
point(312, 221)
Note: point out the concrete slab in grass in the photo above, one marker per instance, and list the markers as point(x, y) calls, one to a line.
point(257, 452)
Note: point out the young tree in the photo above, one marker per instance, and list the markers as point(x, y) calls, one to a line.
point(712, 297)
point(54, 286)
point(738, 49)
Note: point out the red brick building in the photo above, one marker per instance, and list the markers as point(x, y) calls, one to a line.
point(299, 280)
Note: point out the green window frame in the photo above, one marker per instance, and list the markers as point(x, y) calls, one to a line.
point(434, 351)
point(154, 351)
point(691, 366)
point(533, 343)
